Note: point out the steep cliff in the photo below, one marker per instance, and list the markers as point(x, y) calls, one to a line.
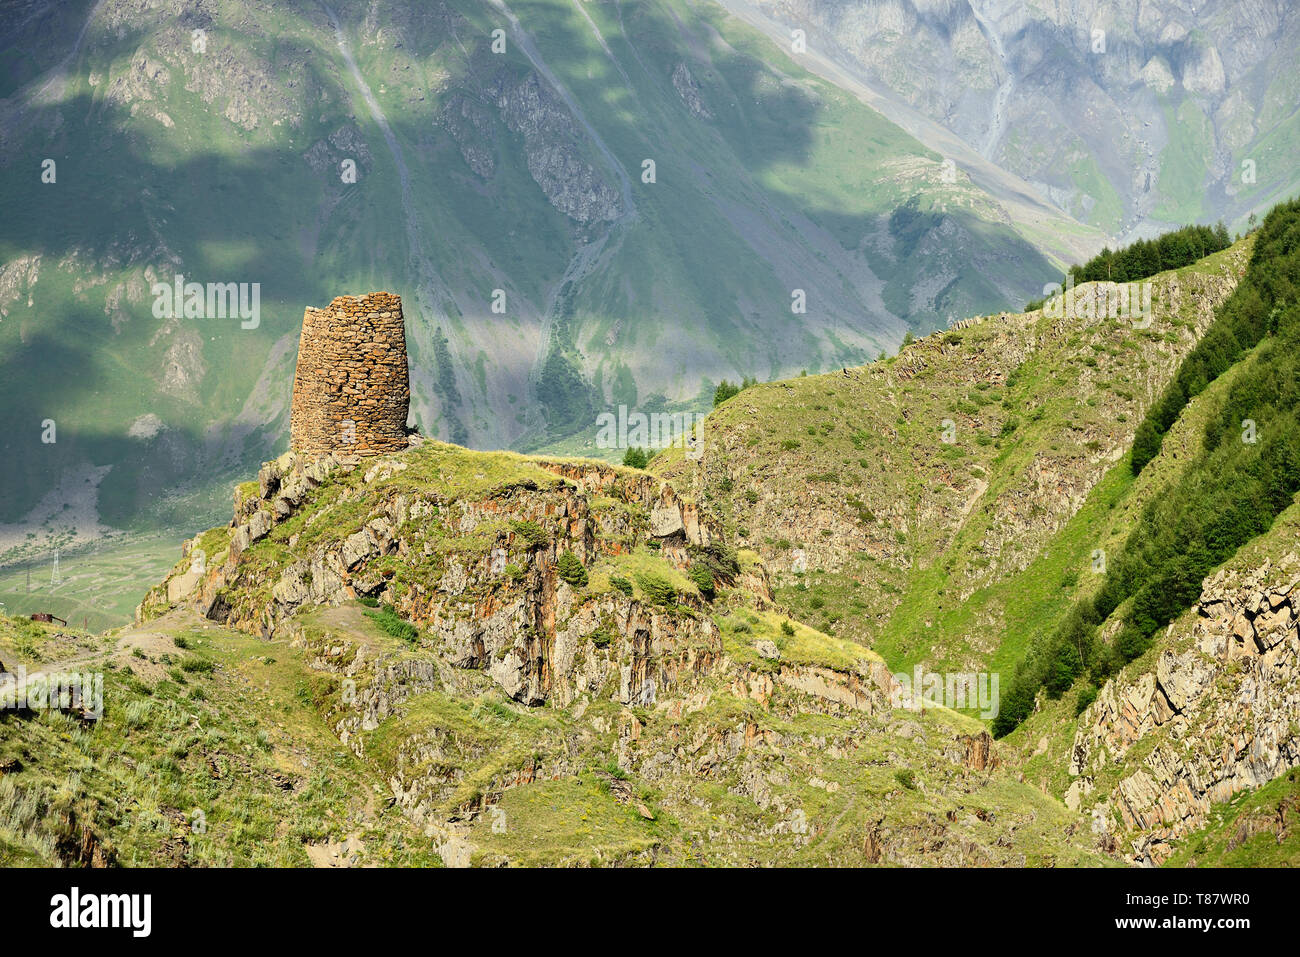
point(1212, 711)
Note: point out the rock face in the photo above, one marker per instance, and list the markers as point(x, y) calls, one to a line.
point(503, 610)
point(689, 91)
point(1087, 78)
point(623, 684)
point(1219, 714)
point(554, 151)
point(352, 392)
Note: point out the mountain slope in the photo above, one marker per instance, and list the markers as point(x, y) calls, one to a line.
point(317, 149)
point(559, 661)
point(950, 553)
point(1133, 116)
point(517, 706)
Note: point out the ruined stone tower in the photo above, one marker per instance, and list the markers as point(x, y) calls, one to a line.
point(351, 392)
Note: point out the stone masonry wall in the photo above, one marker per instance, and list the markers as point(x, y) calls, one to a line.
point(351, 391)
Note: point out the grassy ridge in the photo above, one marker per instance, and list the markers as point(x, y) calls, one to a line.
point(1246, 471)
point(961, 554)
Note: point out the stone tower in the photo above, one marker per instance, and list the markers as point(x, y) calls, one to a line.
point(351, 392)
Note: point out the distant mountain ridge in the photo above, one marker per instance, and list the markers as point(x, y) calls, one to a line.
point(1133, 115)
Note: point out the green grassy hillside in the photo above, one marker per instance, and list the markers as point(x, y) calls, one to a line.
point(943, 506)
point(406, 696)
point(1244, 474)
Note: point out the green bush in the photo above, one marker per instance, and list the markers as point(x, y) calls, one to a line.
point(622, 584)
point(657, 588)
point(530, 532)
point(390, 623)
point(571, 569)
point(635, 457)
point(193, 664)
point(703, 579)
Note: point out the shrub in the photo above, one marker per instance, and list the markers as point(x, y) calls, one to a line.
point(719, 559)
point(703, 579)
point(137, 714)
point(657, 588)
point(571, 569)
point(196, 665)
point(530, 532)
point(622, 584)
point(635, 457)
point(787, 629)
point(393, 624)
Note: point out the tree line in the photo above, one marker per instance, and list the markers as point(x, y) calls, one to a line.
point(1246, 472)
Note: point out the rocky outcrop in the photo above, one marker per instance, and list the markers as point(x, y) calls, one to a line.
point(689, 91)
point(1219, 714)
point(470, 124)
point(977, 751)
point(502, 609)
point(758, 745)
point(554, 151)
